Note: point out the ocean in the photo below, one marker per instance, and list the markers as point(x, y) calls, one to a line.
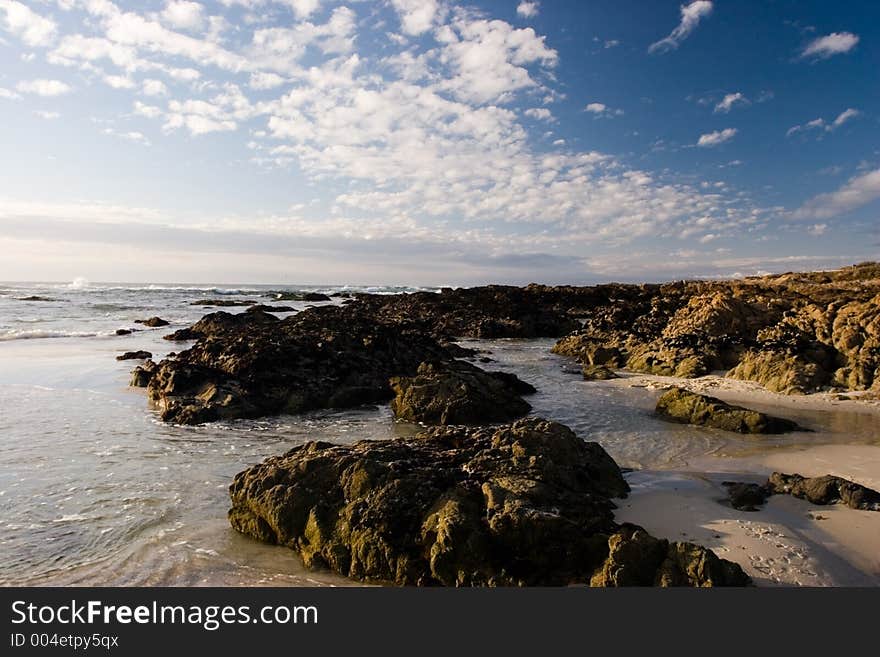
point(96, 490)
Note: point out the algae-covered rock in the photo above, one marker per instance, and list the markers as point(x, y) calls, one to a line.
point(456, 392)
point(680, 405)
point(597, 373)
point(827, 489)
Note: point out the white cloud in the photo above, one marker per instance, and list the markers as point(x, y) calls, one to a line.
point(716, 138)
point(817, 229)
point(416, 16)
point(184, 15)
point(528, 9)
point(691, 15)
point(832, 44)
point(131, 135)
point(153, 87)
point(149, 111)
point(602, 110)
point(119, 81)
point(539, 113)
point(611, 43)
point(823, 126)
point(303, 8)
point(48, 116)
point(8, 94)
point(263, 81)
point(856, 193)
point(43, 87)
point(726, 104)
point(29, 26)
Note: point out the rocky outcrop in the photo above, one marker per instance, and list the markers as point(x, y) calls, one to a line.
point(522, 504)
point(827, 489)
point(793, 333)
point(298, 296)
point(680, 405)
point(263, 308)
point(135, 355)
point(152, 322)
point(254, 364)
point(456, 392)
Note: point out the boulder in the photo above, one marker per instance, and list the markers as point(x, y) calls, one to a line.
point(827, 489)
point(223, 302)
point(680, 405)
point(527, 503)
point(456, 392)
point(263, 308)
point(152, 322)
point(135, 355)
point(597, 373)
point(123, 331)
point(142, 374)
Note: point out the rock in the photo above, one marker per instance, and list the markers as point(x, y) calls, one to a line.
point(220, 323)
point(827, 489)
point(141, 375)
point(635, 558)
point(123, 331)
point(792, 333)
point(254, 364)
point(527, 503)
point(456, 392)
point(680, 405)
point(263, 308)
point(152, 322)
point(223, 302)
point(300, 296)
point(35, 298)
point(597, 373)
point(746, 496)
point(135, 355)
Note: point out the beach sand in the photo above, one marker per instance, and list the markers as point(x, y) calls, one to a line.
point(788, 541)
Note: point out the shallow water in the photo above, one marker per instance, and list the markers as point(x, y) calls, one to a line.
point(96, 490)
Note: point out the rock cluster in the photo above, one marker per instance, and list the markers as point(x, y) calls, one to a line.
point(680, 405)
point(827, 489)
point(793, 333)
point(527, 503)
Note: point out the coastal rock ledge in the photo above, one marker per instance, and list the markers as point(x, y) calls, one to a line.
point(527, 503)
point(680, 405)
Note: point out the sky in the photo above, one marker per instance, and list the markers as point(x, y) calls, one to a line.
point(432, 142)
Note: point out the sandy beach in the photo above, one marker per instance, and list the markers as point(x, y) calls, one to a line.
point(788, 541)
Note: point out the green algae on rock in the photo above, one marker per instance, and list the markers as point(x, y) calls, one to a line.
point(680, 405)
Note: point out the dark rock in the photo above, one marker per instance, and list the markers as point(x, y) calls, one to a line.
point(123, 331)
point(635, 558)
point(456, 392)
point(35, 298)
point(746, 496)
point(523, 504)
point(597, 373)
point(141, 375)
point(220, 323)
point(457, 351)
point(680, 405)
point(135, 355)
point(253, 364)
point(263, 308)
point(299, 296)
point(223, 302)
point(827, 489)
point(152, 322)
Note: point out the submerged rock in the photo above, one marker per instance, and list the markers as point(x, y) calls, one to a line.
point(152, 322)
point(527, 503)
point(223, 302)
point(135, 355)
point(456, 392)
point(680, 405)
point(123, 331)
point(35, 298)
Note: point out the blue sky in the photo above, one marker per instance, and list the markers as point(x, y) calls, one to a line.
point(436, 142)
